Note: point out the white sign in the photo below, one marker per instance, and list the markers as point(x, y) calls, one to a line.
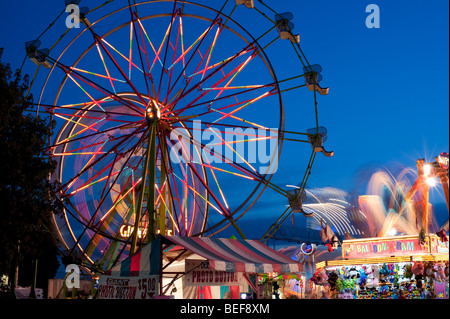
point(128, 287)
point(199, 274)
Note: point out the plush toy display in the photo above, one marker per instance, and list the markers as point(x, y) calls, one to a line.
point(382, 281)
point(332, 279)
point(417, 270)
point(429, 271)
point(323, 277)
point(440, 273)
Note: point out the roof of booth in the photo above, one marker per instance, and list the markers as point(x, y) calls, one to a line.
point(237, 255)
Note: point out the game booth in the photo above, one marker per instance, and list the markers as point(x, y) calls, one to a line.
point(385, 268)
point(173, 267)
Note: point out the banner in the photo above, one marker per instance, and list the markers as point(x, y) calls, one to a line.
point(365, 248)
point(199, 274)
point(128, 287)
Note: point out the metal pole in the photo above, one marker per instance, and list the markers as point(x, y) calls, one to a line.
point(141, 197)
point(151, 184)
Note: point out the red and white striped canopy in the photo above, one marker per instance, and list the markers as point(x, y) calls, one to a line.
point(238, 255)
point(234, 255)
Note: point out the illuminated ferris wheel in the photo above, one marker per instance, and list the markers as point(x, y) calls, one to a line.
point(170, 118)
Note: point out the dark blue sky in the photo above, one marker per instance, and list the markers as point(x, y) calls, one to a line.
point(389, 97)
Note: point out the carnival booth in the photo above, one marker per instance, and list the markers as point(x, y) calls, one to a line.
point(384, 268)
point(194, 268)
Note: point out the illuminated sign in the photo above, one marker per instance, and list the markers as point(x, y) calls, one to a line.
point(443, 160)
point(126, 231)
point(378, 247)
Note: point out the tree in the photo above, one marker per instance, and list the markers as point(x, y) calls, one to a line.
point(27, 197)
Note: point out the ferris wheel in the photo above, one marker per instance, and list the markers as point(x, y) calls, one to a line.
point(170, 118)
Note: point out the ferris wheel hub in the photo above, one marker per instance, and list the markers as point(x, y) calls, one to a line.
point(153, 113)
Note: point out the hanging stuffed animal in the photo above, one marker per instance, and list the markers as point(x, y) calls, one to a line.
point(339, 285)
point(422, 237)
point(314, 278)
point(440, 273)
point(446, 270)
point(322, 278)
point(442, 235)
point(417, 270)
point(429, 271)
point(373, 278)
point(362, 276)
point(353, 273)
point(369, 277)
point(408, 271)
point(384, 270)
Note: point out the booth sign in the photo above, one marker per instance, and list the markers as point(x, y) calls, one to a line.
point(199, 274)
point(388, 247)
point(111, 287)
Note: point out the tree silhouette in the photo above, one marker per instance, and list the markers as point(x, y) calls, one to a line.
point(27, 197)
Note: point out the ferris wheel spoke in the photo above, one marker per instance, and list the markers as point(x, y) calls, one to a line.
point(101, 76)
point(114, 149)
point(233, 95)
point(227, 115)
point(220, 157)
point(167, 209)
point(230, 76)
point(234, 74)
point(98, 40)
point(173, 189)
point(125, 192)
point(141, 49)
point(198, 44)
point(106, 194)
point(225, 211)
point(166, 38)
point(73, 138)
point(69, 72)
point(130, 61)
point(53, 109)
point(106, 68)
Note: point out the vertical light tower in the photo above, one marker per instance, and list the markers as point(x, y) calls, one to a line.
point(424, 171)
point(428, 176)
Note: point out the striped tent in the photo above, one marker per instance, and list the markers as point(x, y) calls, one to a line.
point(144, 263)
point(237, 255)
point(233, 255)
